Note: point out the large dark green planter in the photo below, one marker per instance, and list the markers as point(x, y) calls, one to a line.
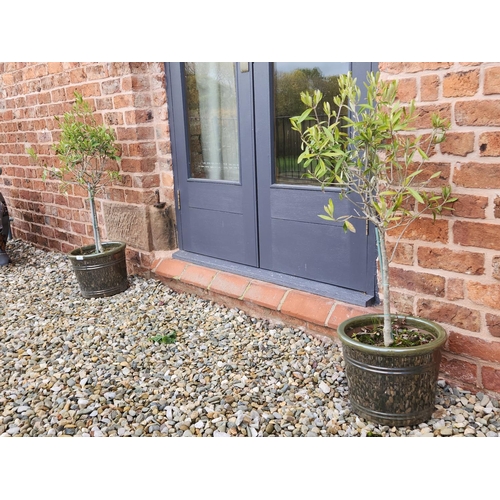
point(392, 386)
point(100, 274)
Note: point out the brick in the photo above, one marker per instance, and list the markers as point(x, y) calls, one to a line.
point(423, 117)
point(492, 80)
point(496, 208)
point(143, 149)
point(140, 83)
point(265, 294)
point(451, 314)
point(470, 207)
point(171, 268)
point(311, 308)
point(467, 345)
point(458, 143)
point(138, 116)
point(461, 84)
point(402, 303)
point(412, 67)
point(96, 72)
point(476, 234)
point(478, 113)
point(429, 284)
point(429, 169)
point(145, 133)
point(142, 100)
point(147, 181)
point(450, 260)
point(493, 324)
point(123, 101)
point(477, 175)
point(403, 253)
point(491, 378)
point(495, 264)
point(459, 370)
point(429, 87)
point(198, 276)
point(455, 289)
point(113, 118)
point(484, 294)
point(137, 197)
point(341, 312)
point(407, 89)
point(424, 229)
point(489, 143)
point(229, 284)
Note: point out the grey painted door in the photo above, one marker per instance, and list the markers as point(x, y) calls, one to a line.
point(293, 238)
point(260, 212)
point(211, 117)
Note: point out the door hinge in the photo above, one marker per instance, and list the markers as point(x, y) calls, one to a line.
point(178, 199)
point(367, 226)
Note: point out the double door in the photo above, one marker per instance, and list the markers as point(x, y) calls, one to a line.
point(241, 196)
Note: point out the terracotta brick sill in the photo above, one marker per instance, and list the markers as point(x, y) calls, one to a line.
point(316, 314)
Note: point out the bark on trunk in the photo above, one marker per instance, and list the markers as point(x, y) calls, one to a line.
point(386, 294)
point(97, 238)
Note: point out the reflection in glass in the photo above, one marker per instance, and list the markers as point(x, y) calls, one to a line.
point(290, 79)
point(212, 120)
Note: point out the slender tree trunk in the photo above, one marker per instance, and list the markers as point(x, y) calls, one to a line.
point(384, 271)
point(97, 238)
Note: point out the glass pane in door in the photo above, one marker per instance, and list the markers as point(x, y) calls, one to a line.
point(212, 120)
point(290, 79)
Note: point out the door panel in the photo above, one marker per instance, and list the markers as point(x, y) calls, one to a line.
point(327, 254)
point(293, 238)
point(215, 176)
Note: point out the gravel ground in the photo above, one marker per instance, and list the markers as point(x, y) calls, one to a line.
point(71, 366)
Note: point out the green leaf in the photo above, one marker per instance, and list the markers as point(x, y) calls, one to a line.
point(169, 338)
point(304, 116)
point(349, 227)
point(415, 194)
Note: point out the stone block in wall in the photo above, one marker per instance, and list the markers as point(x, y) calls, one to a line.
point(128, 223)
point(163, 228)
point(146, 228)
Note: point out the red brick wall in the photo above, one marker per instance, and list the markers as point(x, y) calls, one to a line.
point(131, 97)
point(450, 271)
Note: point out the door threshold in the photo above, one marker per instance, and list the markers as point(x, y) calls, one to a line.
point(302, 284)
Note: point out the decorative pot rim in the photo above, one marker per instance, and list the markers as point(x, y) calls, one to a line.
point(116, 246)
point(416, 322)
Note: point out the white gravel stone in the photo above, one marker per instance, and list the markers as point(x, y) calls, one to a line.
point(71, 366)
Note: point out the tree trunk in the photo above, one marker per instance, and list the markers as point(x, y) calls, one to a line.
point(97, 238)
point(386, 294)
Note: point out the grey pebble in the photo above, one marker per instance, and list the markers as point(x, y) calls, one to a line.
point(71, 366)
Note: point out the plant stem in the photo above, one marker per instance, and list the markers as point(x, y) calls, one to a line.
point(97, 238)
point(384, 272)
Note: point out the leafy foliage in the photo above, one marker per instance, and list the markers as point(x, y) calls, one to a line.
point(369, 151)
point(169, 338)
point(87, 152)
point(84, 149)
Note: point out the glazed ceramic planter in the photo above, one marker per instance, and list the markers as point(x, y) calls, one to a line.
point(100, 274)
point(392, 386)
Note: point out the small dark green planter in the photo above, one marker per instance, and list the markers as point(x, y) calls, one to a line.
point(392, 386)
point(100, 274)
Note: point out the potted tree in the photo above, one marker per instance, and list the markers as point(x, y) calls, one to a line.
point(87, 153)
point(366, 150)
